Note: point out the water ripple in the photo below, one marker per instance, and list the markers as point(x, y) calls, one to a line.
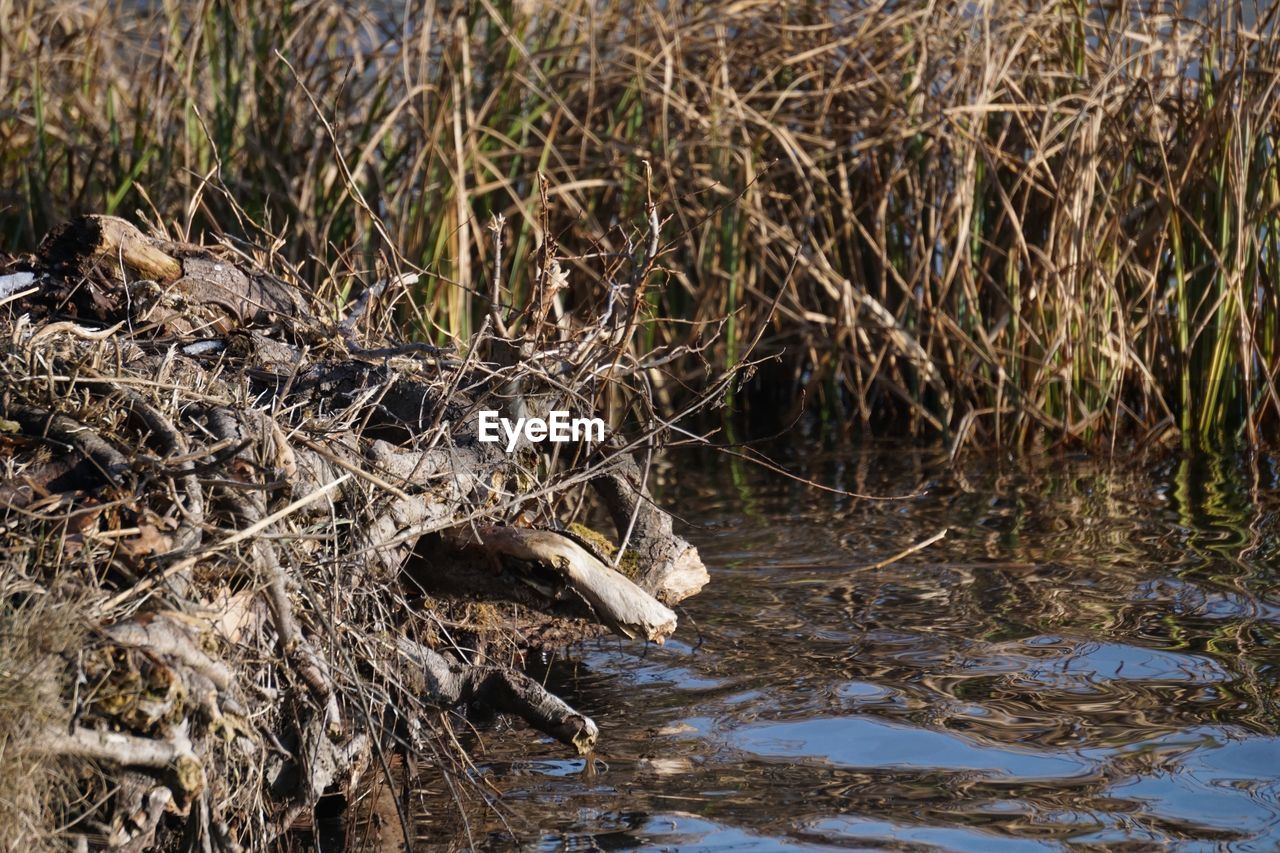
point(1091, 656)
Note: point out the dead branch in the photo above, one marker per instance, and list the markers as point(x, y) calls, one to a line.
point(504, 690)
point(614, 600)
point(669, 566)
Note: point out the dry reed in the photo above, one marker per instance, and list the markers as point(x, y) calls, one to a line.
point(1020, 222)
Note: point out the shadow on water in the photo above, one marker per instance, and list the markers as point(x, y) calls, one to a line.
point(1089, 656)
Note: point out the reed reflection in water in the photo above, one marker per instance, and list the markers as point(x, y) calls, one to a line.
point(1089, 656)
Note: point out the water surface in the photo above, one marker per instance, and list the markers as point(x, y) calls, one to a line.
point(1089, 657)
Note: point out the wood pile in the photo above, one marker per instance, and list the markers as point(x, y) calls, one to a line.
point(250, 548)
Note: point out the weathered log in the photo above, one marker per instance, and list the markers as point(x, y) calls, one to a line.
point(615, 601)
point(90, 238)
point(668, 566)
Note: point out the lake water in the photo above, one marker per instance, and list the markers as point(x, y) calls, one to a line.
point(1089, 656)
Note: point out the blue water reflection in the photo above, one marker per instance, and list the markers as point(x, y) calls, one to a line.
point(1090, 656)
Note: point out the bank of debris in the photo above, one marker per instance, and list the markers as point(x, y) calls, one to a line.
point(250, 547)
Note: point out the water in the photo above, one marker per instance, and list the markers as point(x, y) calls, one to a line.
point(1089, 657)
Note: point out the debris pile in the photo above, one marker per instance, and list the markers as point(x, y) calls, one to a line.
point(249, 550)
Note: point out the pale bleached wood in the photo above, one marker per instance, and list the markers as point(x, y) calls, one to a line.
point(617, 602)
point(119, 238)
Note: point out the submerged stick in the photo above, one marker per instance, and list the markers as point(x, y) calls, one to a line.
point(907, 552)
point(503, 690)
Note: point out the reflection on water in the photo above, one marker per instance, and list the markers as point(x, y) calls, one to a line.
point(1089, 656)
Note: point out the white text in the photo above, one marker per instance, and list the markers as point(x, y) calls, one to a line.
point(559, 427)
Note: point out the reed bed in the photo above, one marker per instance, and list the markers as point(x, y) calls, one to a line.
point(1022, 223)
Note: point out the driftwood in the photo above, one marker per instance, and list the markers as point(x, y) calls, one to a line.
point(113, 241)
point(616, 601)
point(668, 566)
point(238, 486)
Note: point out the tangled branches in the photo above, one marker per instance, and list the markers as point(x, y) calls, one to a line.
point(275, 543)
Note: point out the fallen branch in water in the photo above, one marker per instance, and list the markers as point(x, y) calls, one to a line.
point(449, 684)
point(907, 552)
point(615, 601)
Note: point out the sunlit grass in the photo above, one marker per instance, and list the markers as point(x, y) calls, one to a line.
point(1022, 222)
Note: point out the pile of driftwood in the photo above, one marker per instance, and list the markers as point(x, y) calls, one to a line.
point(249, 549)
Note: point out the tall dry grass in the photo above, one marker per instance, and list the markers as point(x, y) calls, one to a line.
point(1016, 222)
